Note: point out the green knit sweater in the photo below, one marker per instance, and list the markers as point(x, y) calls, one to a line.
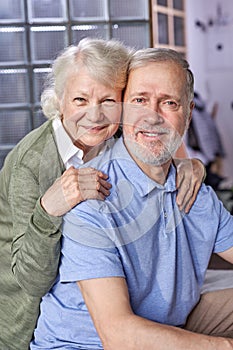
point(29, 237)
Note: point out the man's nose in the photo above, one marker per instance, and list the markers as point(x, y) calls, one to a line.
point(154, 116)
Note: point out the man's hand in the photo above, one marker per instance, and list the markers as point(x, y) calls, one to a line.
point(73, 187)
point(190, 175)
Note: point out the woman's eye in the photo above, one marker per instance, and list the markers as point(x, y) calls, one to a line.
point(80, 99)
point(109, 102)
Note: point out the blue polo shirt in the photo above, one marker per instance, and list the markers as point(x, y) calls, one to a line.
point(137, 233)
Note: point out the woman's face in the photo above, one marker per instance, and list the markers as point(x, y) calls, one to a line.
point(90, 111)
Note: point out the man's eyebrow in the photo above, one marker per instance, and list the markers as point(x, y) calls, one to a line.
point(137, 92)
point(169, 96)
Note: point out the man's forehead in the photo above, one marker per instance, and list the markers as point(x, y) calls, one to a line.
point(162, 77)
point(147, 70)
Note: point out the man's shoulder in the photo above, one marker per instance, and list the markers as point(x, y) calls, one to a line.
point(207, 202)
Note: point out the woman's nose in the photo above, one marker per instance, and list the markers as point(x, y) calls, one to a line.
point(95, 113)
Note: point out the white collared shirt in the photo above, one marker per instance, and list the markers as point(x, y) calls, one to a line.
point(71, 154)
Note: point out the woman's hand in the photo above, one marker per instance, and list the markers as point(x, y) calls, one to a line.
point(190, 175)
point(73, 187)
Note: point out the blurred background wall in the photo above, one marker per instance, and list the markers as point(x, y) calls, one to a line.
point(209, 32)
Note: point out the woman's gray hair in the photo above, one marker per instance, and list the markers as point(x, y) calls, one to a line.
point(142, 57)
point(106, 61)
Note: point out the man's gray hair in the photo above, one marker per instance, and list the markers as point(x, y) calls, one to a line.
point(142, 57)
point(106, 61)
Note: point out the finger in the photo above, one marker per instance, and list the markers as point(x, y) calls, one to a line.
point(183, 188)
point(180, 178)
point(189, 197)
point(74, 178)
point(104, 183)
point(186, 195)
point(196, 189)
point(93, 188)
point(192, 199)
point(92, 194)
point(102, 175)
point(92, 171)
point(186, 200)
point(89, 183)
point(104, 191)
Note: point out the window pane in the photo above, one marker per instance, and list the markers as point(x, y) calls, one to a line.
point(3, 154)
point(11, 10)
point(39, 75)
point(179, 31)
point(131, 8)
point(88, 9)
point(162, 2)
point(14, 125)
point(46, 9)
point(178, 4)
point(135, 35)
point(15, 82)
point(163, 28)
point(47, 42)
point(16, 51)
point(92, 30)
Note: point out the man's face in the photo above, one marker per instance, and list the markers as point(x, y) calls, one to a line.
point(156, 112)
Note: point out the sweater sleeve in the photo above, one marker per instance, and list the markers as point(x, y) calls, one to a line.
point(36, 235)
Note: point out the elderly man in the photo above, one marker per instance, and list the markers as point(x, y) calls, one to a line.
point(132, 266)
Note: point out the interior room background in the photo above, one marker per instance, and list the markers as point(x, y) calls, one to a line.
point(32, 32)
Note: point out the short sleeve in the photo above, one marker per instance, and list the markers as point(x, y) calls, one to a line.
point(87, 250)
point(224, 239)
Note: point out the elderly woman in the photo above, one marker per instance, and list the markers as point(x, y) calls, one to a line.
point(40, 180)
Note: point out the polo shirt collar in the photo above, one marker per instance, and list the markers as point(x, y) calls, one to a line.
point(142, 183)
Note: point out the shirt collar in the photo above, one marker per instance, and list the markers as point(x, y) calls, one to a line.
point(142, 183)
point(71, 154)
point(66, 148)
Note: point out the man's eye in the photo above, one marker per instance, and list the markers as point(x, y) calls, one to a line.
point(170, 103)
point(139, 100)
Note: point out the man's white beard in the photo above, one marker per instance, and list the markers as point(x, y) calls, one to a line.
point(156, 155)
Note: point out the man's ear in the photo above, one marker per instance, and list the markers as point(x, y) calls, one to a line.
point(191, 106)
